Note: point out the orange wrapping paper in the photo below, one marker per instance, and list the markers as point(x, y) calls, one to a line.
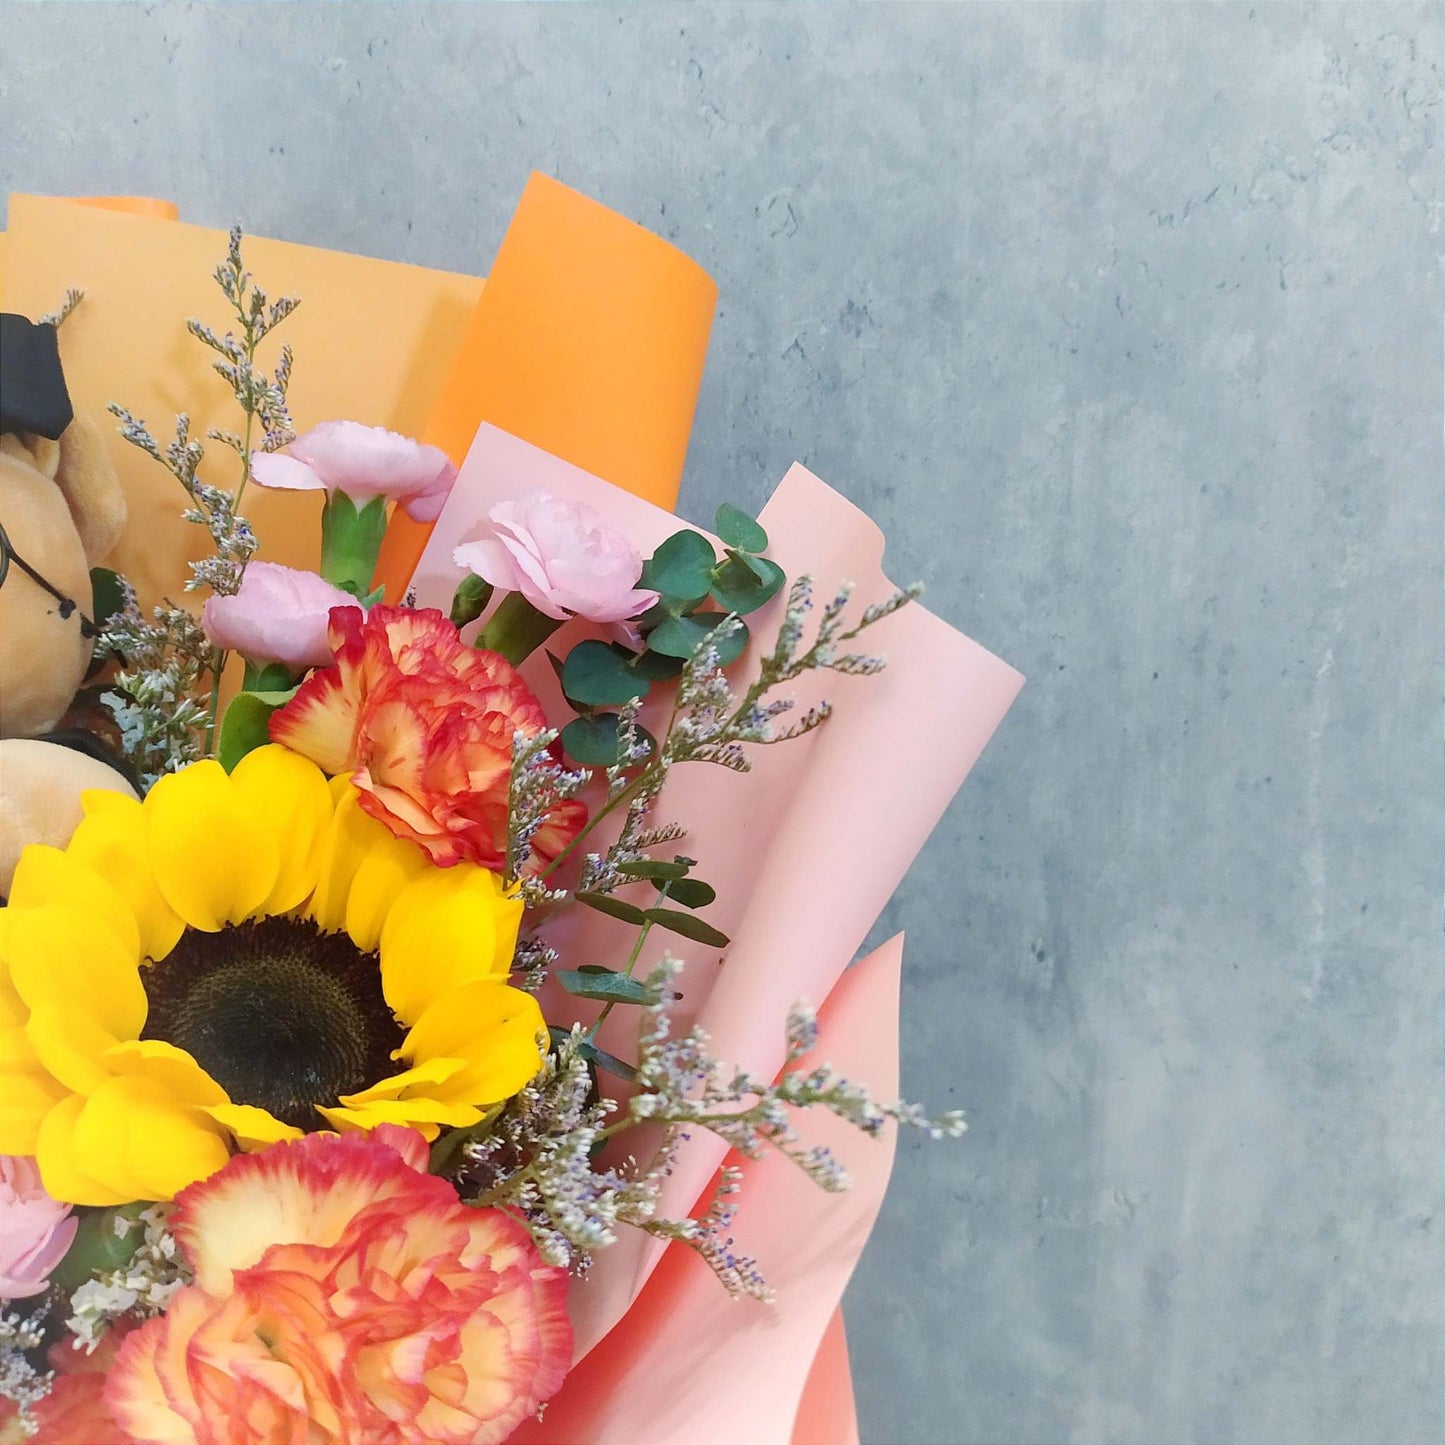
point(374, 341)
point(588, 342)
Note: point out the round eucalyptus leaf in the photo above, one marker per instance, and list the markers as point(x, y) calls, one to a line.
point(596, 674)
point(739, 530)
point(595, 741)
point(681, 567)
point(738, 585)
point(682, 636)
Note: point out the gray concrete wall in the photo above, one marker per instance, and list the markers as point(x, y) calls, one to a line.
point(1125, 323)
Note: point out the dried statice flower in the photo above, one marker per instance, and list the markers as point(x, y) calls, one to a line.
point(168, 662)
point(533, 959)
point(538, 783)
point(22, 1336)
point(141, 1288)
point(154, 695)
point(709, 1236)
point(537, 1156)
point(74, 295)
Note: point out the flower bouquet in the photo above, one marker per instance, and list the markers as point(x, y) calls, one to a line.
point(415, 1047)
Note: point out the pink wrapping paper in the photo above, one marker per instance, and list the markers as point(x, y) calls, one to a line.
point(804, 852)
point(694, 1348)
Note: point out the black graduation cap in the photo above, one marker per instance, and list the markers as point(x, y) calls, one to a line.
point(33, 397)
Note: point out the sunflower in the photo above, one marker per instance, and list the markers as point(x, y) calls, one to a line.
point(241, 959)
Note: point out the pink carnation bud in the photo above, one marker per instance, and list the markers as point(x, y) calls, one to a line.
point(279, 615)
point(35, 1230)
point(364, 462)
point(562, 556)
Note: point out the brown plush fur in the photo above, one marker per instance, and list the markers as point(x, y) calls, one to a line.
point(62, 508)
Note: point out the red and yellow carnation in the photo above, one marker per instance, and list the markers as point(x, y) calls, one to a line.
point(345, 1297)
point(424, 725)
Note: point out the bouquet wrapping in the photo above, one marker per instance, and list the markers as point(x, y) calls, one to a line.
point(573, 372)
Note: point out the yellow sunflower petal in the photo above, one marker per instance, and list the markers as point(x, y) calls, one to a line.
point(363, 867)
point(59, 1156)
point(253, 1128)
point(446, 928)
point(13, 1010)
point(290, 795)
point(71, 959)
point(423, 1078)
point(215, 859)
point(176, 1071)
point(71, 1045)
point(426, 1116)
point(26, 1097)
point(46, 875)
point(492, 1026)
point(111, 839)
point(134, 1138)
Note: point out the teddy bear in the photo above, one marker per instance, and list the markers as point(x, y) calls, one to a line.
point(61, 511)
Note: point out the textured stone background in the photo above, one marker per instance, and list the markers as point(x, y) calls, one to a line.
point(1125, 324)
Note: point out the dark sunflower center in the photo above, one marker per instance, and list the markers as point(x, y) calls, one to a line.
point(279, 1014)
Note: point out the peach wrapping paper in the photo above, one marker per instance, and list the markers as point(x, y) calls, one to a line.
point(804, 851)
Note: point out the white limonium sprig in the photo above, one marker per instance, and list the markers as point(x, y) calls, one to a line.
point(25, 1386)
point(538, 1156)
point(142, 1287)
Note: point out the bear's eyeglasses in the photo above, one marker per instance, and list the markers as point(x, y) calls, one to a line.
point(68, 605)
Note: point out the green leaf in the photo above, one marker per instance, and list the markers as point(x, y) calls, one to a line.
point(613, 907)
point(655, 666)
point(592, 740)
point(106, 597)
point(595, 741)
point(691, 893)
point(470, 599)
point(610, 1062)
point(682, 636)
point(687, 924)
point(654, 868)
point(681, 567)
point(743, 584)
point(739, 530)
point(596, 674)
point(245, 725)
point(267, 677)
point(602, 983)
point(658, 613)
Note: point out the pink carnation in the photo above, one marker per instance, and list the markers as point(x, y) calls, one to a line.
point(562, 556)
point(364, 462)
point(279, 615)
point(35, 1230)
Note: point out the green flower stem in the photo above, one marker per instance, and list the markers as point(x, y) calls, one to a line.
point(351, 541)
point(631, 964)
point(516, 629)
point(267, 677)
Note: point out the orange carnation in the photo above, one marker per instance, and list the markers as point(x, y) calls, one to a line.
point(344, 1297)
point(74, 1410)
point(424, 726)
